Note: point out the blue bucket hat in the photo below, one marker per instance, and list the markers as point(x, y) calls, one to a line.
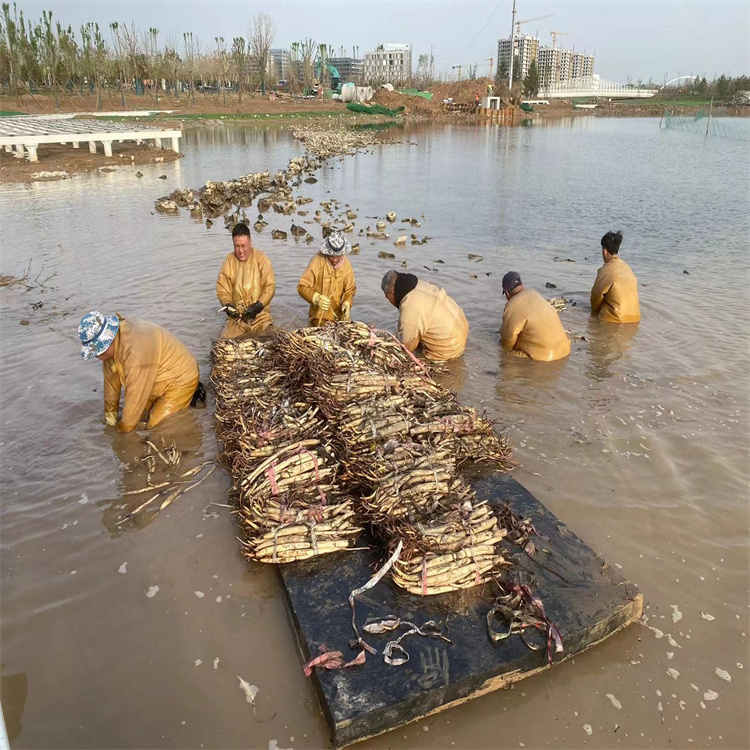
point(336, 245)
point(97, 332)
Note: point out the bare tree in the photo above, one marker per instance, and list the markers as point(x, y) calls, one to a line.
point(294, 68)
point(261, 36)
point(11, 44)
point(131, 48)
point(93, 57)
point(119, 52)
point(239, 62)
point(308, 49)
point(153, 59)
point(172, 63)
point(192, 50)
point(222, 66)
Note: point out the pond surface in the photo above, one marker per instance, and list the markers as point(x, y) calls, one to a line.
point(638, 441)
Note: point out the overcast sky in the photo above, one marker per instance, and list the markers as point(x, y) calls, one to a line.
point(631, 38)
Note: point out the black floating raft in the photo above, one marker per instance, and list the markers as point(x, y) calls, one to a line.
point(586, 599)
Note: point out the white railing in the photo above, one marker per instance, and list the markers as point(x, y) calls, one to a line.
point(594, 86)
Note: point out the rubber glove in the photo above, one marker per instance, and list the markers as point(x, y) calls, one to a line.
point(110, 417)
point(322, 302)
point(253, 311)
point(232, 312)
point(346, 309)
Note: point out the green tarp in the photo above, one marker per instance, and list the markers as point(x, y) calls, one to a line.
point(373, 109)
point(416, 92)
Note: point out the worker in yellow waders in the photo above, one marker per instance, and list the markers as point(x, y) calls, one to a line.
point(245, 287)
point(614, 296)
point(158, 373)
point(531, 326)
point(328, 281)
point(427, 316)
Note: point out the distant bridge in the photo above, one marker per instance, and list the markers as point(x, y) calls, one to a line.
point(594, 86)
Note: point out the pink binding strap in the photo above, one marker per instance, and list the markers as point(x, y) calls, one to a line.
point(272, 479)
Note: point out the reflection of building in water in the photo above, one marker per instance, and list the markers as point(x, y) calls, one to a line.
point(235, 134)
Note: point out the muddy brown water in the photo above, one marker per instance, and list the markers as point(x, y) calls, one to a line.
point(639, 441)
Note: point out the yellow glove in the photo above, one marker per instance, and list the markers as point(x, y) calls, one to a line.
point(322, 302)
point(346, 309)
point(110, 417)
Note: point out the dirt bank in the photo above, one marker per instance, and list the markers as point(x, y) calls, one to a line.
point(67, 161)
point(204, 104)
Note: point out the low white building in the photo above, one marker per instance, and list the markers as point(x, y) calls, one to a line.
point(388, 63)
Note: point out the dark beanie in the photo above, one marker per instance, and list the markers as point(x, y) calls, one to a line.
point(404, 284)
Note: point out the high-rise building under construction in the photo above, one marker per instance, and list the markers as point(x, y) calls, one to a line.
point(555, 65)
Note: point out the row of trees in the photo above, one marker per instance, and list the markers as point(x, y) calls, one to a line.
point(42, 55)
point(722, 88)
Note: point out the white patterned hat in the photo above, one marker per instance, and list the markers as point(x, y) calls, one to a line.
point(97, 332)
point(335, 244)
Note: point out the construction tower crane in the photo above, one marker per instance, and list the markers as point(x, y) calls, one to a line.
point(529, 20)
point(555, 34)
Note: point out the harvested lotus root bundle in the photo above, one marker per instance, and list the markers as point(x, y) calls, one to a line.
point(317, 530)
point(453, 551)
point(303, 464)
point(471, 437)
point(327, 427)
point(471, 523)
point(432, 573)
point(260, 432)
point(420, 493)
point(367, 465)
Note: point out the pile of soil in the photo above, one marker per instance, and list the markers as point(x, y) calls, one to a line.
point(462, 92)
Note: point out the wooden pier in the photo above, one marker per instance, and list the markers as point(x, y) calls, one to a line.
point(23, 135)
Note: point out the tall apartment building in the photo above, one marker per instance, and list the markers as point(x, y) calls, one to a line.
point(581, 65)
point(279, 64)
point(527, 48)
point(389, 63)
point(349, 68)
point(556, 65)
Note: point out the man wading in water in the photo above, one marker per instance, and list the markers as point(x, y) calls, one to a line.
point(427, 316)
point(245, 287)
point(328, 281)
point(531, 326)
point(614, 297)
point(159, 375)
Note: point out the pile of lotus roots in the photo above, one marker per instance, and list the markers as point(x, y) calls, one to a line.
point(330, 429)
